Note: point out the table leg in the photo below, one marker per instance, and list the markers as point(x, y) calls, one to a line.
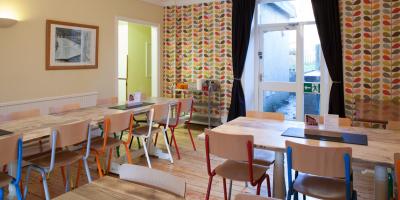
point(279, 190)
point(381, 183)
point(12, 170)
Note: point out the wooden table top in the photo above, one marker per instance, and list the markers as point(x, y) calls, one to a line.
point(376, 111)
point(38, 127)
point(382, 144)
point(108, 188)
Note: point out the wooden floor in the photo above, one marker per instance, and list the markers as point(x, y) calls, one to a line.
point(192, 167)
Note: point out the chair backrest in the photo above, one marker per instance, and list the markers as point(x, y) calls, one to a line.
point(65, 108)
point(161, 112)
point(393, 125)
point(117, 122)
point(266, 115)
point(342, 121)
point(186, 105)
point(251, 197)
point(73, 133)
point(229, 146)
point(21, 115)
point(107, 101)
point(153, 178)
point(8, 148)
point(320, 161)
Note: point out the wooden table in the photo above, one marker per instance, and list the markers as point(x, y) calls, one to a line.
point(35, 128)
point(376, 111)
point(382, 144)
point(108, 188)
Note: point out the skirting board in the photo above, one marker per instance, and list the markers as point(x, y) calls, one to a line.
point(84, 99)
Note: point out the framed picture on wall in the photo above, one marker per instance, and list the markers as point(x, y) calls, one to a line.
point(71, 46)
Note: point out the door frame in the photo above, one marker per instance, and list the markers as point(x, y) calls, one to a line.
point(297, 86)
point(158, 60)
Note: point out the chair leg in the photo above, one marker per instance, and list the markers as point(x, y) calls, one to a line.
point(296, 196)
point(28, 172)
point(191, 136)
point(176, 145)
point(230, 189)
point(130, 144)
point(259, 187)
point(304, 197)
point(167, 145)
point(1, 193)
point(17, 191)
point(210, 179)
point(145, 152)
point(128, 153)
point(63, 174)
point(109, 160)
point(224, 184)
point(68, 179)
point(89, 177)
point(99, 169)
point(268, 184)
point(138, 142)
point(78, 173)
point(155, 139)
point(45, 187)
point(21, 186)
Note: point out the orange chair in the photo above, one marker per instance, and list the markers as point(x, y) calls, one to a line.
point(112, 124)
point(64, 108)
point(238, 152)
point(183, 106)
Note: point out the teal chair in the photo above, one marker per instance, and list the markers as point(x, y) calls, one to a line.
point(320, 172)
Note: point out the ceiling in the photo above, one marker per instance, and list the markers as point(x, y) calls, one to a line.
point(175, 2)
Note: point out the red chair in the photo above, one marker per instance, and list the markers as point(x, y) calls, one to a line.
point(184, 106)
point(238, 152)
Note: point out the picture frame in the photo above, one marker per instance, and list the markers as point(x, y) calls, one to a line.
point(71, 46)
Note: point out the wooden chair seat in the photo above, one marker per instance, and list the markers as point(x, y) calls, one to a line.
point(144, 130)
point(239, 171)
point(5, 180)
point(98, 142)
point(63, 158)
point(320, 187)
point(263, 157)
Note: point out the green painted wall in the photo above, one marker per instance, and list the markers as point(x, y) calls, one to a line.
point(138, 37)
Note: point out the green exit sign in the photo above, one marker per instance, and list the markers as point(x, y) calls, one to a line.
point(311, 88)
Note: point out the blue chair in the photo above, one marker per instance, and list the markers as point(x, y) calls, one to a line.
point(11, 148)
point(320, 172)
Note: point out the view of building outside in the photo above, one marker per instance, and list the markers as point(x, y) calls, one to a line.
point(279, 56)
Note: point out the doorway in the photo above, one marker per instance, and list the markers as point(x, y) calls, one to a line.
point(290, 71)
point(138, 59)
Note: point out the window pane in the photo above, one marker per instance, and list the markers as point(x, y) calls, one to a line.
point(280, 56)
point(281, 11)
point(312, 54)
point(311, 103)
point(283, 102)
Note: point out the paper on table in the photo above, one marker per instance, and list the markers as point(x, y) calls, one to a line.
point(331, 121)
